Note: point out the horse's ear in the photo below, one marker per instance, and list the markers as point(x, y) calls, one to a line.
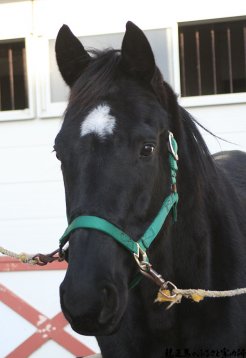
point(137, 56)
point(71, 56)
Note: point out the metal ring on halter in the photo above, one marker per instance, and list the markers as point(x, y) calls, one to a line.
point(165, 286)
point(171, 146)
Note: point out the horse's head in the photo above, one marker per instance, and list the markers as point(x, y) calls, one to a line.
point(114, 158)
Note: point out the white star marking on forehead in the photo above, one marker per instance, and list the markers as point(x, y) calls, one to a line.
point(99, 122)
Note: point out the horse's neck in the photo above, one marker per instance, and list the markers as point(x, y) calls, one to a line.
point(210, 236)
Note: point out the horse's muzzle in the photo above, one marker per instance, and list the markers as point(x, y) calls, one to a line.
point(91, 313)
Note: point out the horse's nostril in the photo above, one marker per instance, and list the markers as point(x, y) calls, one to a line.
point(109, 304)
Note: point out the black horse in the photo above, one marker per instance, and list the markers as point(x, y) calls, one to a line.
point(113, 148)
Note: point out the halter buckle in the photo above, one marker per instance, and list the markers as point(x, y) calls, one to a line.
point(141, 258)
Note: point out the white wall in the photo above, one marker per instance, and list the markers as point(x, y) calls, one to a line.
point(225, 121)
point(32, 218)
point(95, 16)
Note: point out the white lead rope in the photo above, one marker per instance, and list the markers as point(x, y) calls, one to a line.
point(175, 295)
point(24, 258)
point(207, 293)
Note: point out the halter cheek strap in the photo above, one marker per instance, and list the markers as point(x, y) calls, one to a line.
point(138, 248)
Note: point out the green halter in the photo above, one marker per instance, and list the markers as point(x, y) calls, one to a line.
point(140, 246)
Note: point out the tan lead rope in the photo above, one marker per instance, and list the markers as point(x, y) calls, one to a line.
point(196, 295)
point(37, 259)
point(24, 258)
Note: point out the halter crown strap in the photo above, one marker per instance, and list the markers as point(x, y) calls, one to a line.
point(97, 223)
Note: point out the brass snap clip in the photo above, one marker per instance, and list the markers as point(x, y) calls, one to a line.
point(43, 260)
point(166, 290)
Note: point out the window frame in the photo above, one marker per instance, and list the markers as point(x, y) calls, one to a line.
point(27, 113)
point(45, 107)
point(204, 100)
point(48, 109)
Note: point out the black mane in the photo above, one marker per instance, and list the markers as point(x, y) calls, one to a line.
point(195, 157)
point(191, 142)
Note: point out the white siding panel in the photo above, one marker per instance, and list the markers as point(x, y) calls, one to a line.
point(10, 15)
point(238, 142)
point(32, 205)
point(222, 119)
point(28, 164)
point(32, 235)
point(31, 200)
point(227, 122)
point(29, 133)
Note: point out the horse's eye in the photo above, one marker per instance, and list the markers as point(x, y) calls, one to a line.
point(147, 150)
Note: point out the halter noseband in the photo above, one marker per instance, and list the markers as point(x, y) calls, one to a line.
point(137, 248)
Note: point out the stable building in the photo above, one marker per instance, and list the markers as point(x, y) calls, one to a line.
point(201, 51)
